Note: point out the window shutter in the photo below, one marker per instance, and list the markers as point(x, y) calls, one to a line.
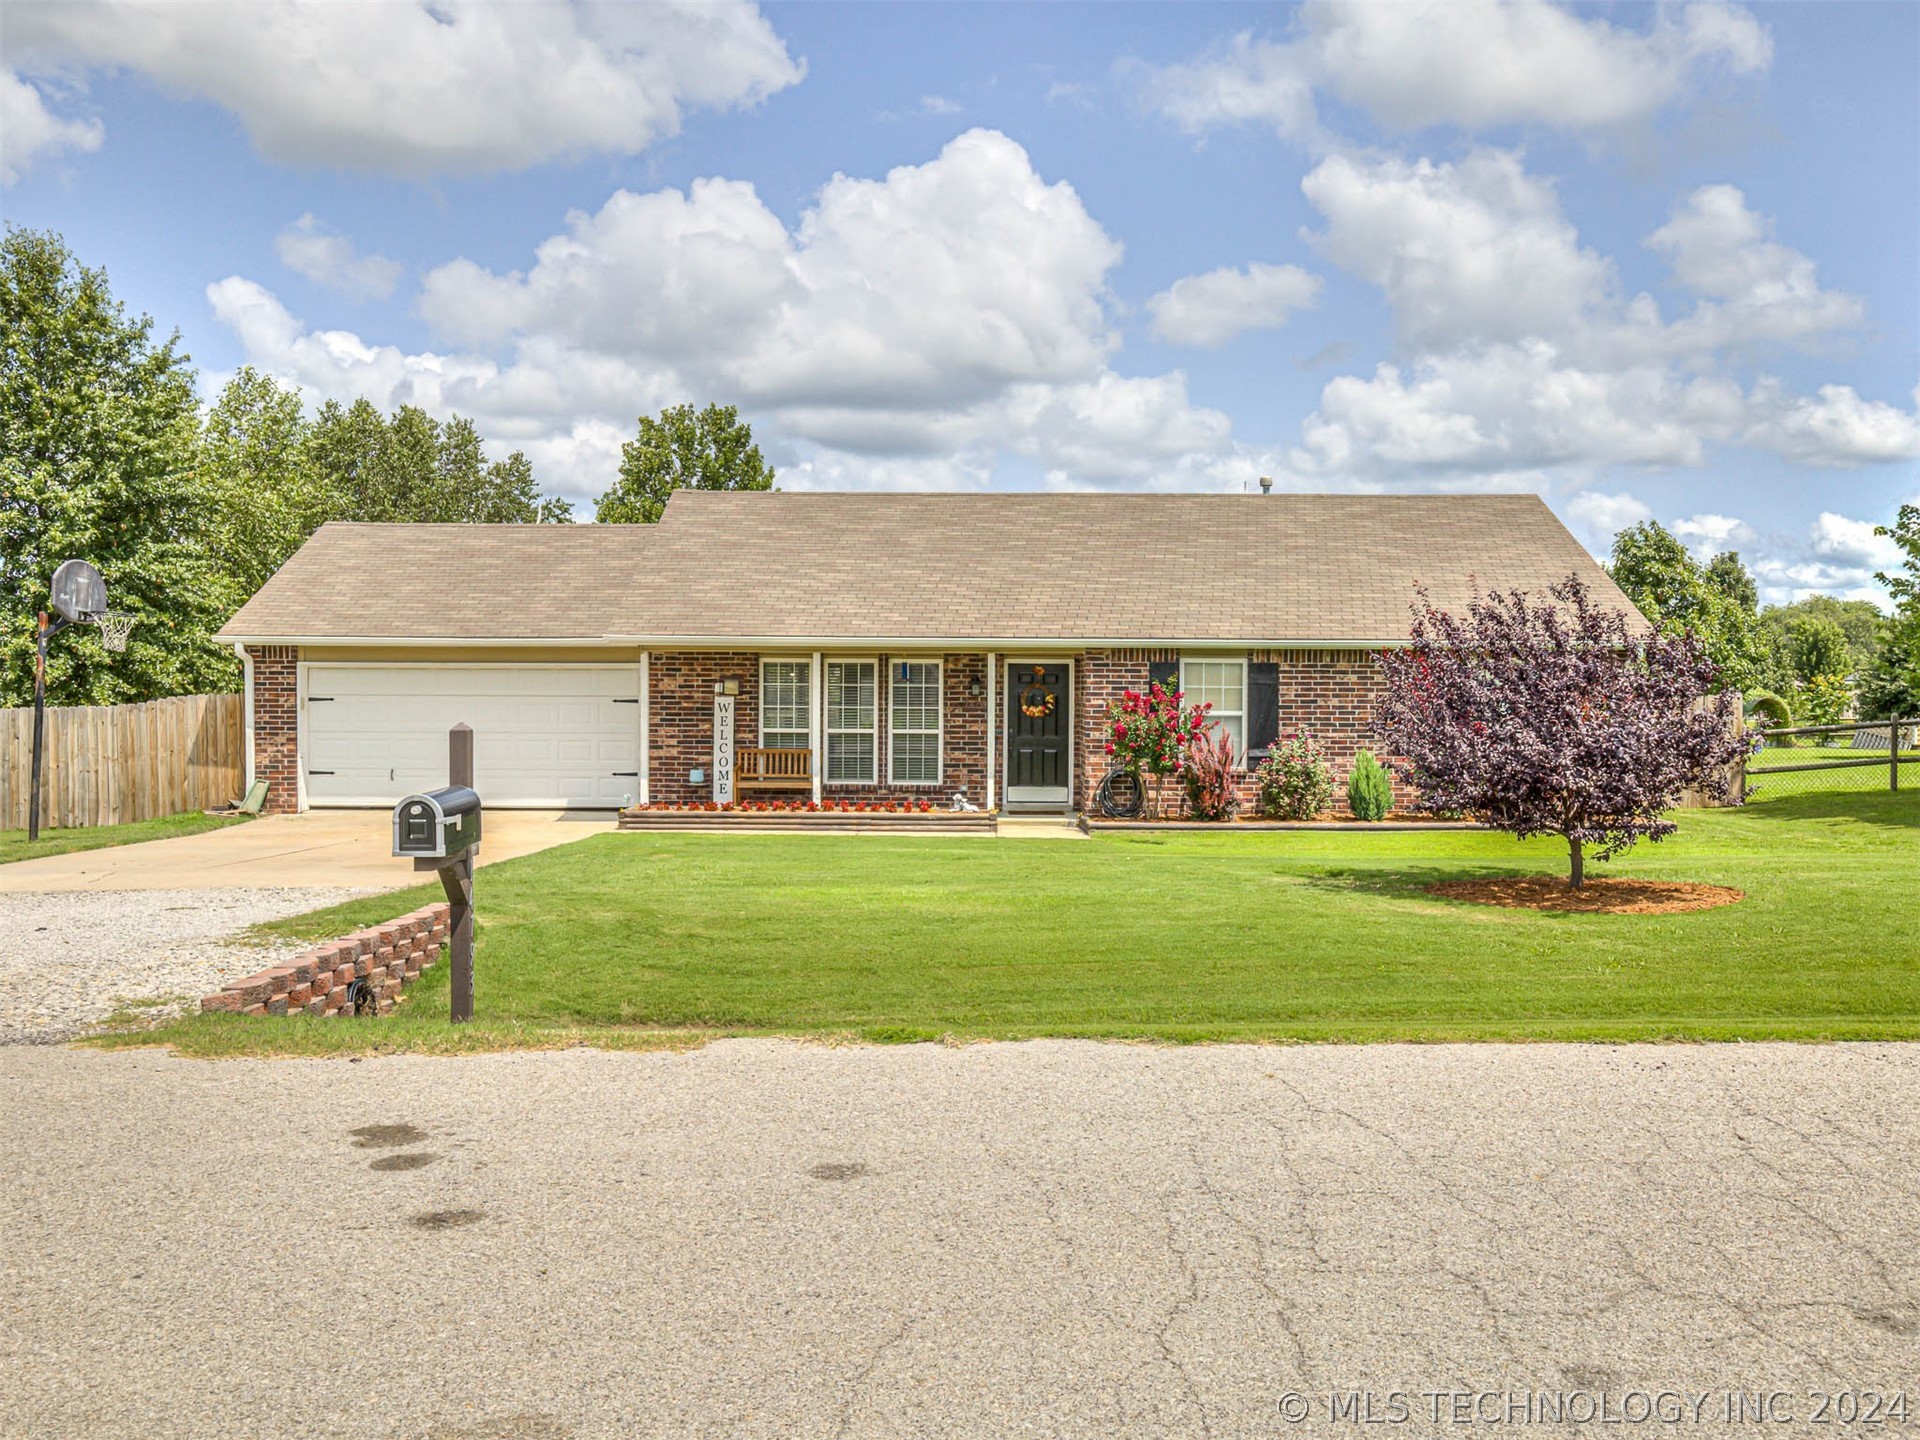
point(1165, 673)
point(1263, 707)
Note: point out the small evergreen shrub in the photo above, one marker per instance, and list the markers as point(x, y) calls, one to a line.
point(1369, 790)
point(1294, 781)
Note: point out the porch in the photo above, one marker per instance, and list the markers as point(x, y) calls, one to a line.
point(786, 739)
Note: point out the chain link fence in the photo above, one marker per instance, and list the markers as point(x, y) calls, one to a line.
point(1857, 757)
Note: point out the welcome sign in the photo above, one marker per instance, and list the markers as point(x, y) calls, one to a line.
point(723, 749)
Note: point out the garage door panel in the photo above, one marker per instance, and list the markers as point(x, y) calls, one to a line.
point(544, 735)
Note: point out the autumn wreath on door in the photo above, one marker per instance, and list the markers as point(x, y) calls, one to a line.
point(1036, 700)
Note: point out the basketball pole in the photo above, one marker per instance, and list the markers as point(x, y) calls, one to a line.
point(47, 630)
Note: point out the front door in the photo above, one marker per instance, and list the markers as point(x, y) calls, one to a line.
point(1039, 722)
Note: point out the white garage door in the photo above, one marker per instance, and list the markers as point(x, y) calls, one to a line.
point(544, 735)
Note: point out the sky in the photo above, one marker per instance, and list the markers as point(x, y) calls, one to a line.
point(1647, 261)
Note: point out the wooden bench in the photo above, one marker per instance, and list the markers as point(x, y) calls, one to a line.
point(762, 767)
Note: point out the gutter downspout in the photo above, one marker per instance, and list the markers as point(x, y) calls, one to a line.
point(246, 719)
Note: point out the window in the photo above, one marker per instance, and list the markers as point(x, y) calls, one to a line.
point(1223, 685)
point(852, 707)
point(784, 702)
point(914, 731)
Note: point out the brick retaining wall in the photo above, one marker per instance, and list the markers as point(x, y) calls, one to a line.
point(316, 982)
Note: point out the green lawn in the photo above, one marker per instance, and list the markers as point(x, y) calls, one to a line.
point(645, 939)
point(14, 846)
point(1860, 779)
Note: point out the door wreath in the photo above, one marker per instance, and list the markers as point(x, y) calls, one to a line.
point(1037, 702)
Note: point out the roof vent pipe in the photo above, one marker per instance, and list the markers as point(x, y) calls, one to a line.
point(1266, 484)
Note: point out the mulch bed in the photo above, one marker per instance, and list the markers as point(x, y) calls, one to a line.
point(1613, 896)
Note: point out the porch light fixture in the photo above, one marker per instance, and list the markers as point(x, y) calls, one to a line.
point(973, 689)
point(726, 687)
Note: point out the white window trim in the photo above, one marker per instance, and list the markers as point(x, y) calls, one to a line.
point(761, 699)
point(1240, 760)
point(826, 733)
point(939, 731)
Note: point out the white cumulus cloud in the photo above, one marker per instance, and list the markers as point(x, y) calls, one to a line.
point(29, 131)
point(1475, 64)
point(956, 308)
point(1596, 516)
point(1209, 310)
point(412, 88)
point(1522, 352)
point(308, 248)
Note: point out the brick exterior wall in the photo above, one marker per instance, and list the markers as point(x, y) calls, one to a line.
point(681, 704)
point(680, 714)
point(1328, 693)
point(318, 982)
point(1100, 678)
point(276, 725)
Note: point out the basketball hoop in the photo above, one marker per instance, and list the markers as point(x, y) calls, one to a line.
point(115, 627)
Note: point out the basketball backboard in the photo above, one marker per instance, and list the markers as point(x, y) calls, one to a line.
point(78, 591)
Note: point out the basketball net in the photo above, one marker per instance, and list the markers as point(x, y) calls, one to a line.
point(115, 627)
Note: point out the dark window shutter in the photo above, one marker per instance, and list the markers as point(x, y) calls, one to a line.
point(1263, 707)
point(1165, 673)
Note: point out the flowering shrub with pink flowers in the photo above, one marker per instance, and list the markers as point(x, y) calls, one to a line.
point(1152, 732)
point(1294, 781)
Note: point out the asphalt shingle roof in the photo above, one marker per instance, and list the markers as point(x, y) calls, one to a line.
point(824, 568)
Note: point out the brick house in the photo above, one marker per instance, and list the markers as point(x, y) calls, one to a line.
point(865, 646)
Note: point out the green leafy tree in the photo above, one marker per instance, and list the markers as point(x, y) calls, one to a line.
point(1817, 646)
point(344, 446)
point(411, 467)
point(1891, 689)
point(98, 461)
point(683, 449)
point(1727, 574)
point(502, 493)
point(409, 470)
point(1861, 621)
point(1825, 700)
point(267, 494)
point(1680, 596)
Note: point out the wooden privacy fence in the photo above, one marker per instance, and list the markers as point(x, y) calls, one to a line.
point(108, 764)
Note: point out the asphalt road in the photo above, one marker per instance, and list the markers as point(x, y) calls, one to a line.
point(769, 1239)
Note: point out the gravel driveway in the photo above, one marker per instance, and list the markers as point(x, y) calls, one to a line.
point(1048, 1239)
point(68, 960)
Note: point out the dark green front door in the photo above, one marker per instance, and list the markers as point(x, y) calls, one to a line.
point(1039, 716)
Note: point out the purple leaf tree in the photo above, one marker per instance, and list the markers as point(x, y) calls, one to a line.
point(1546, 719)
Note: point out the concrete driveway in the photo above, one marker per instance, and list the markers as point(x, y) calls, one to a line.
point(351, 849)
point(1049, 1239)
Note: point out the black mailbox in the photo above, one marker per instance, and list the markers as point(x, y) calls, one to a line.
point(438, 825)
